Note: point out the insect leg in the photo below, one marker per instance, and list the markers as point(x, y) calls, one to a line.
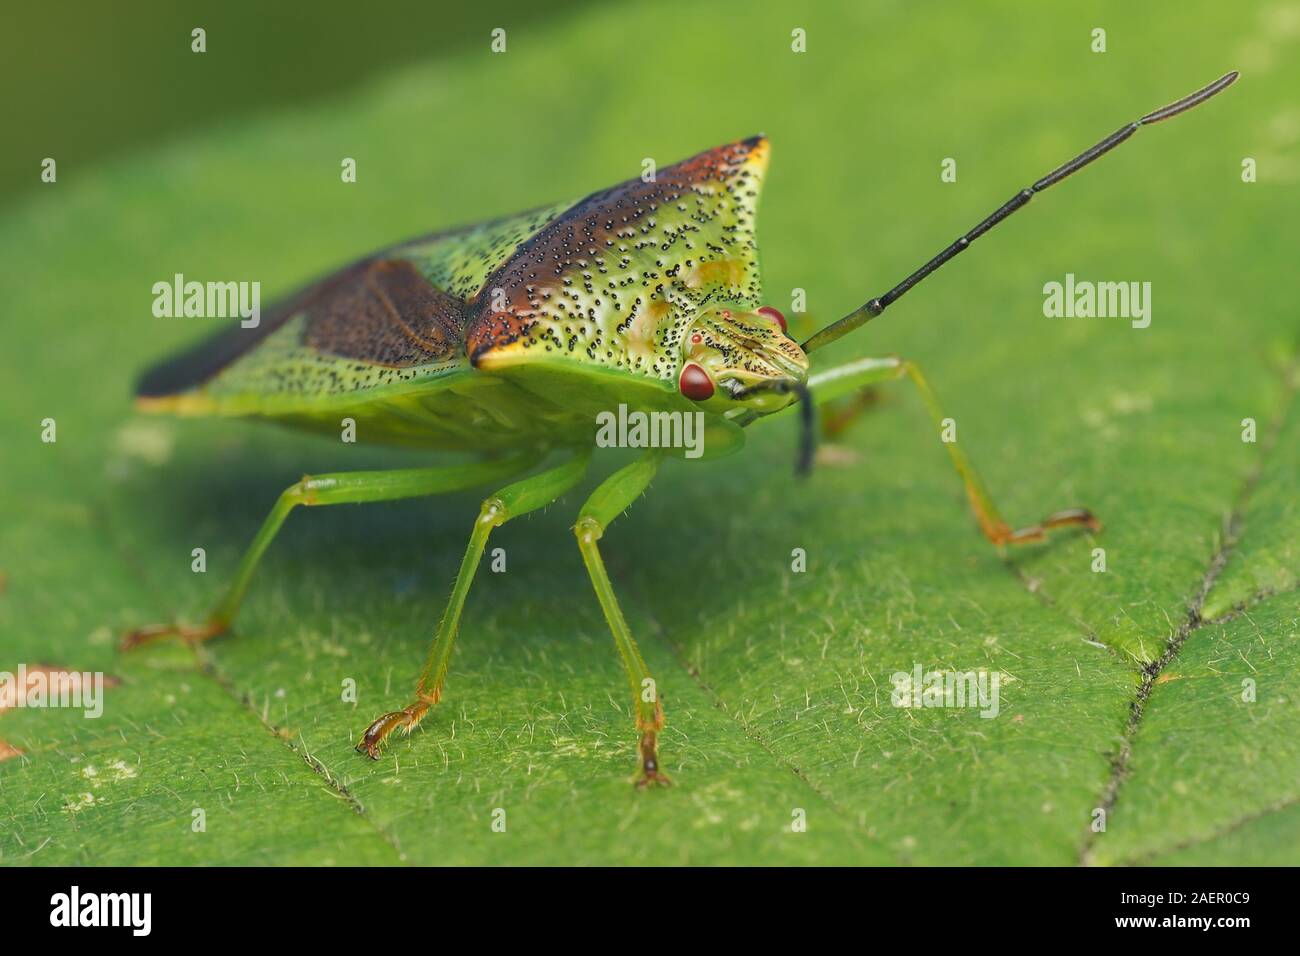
point(533, 492)
point(606, 503)
point(835, 421)
point(834, 382)
point(346, 487)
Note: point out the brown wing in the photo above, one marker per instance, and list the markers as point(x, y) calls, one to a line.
point(382, 312)
point(385, 313)
point(454, 262)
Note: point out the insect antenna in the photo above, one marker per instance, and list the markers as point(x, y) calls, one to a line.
point(807, 429)
point(874, 307)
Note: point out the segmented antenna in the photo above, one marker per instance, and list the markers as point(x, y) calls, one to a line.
point(873, 307)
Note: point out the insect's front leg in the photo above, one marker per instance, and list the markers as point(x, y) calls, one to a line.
point(352, 487)
point(607, 502)
point(514, 500)
point(844, 379)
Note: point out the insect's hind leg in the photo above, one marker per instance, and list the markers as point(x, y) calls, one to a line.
point(836, 419)
point(343, 488)
point(529, 494)
point(609, 500)
point(843, 379)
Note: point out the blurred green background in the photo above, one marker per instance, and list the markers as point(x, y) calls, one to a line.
point(90, 80)
point(1122, 690)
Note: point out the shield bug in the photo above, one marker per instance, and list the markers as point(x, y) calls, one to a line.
point(510, 339)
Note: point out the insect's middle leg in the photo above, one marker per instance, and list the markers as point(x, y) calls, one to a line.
point(344, 488)
point(834, 382)
point(606, 503)
point(533, 492)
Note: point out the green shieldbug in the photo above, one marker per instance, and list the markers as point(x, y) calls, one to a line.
point(510, 339)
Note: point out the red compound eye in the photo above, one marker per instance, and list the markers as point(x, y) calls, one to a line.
point(695, 383)
point(775, 315)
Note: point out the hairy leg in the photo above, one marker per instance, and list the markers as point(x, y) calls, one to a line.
point(529, 494)
point(852, 377)
point(606, 503)
point(344, 488)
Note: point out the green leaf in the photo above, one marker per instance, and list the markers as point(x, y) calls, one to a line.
point(1115, 692)
point(1266, 548)
point(1214, 751)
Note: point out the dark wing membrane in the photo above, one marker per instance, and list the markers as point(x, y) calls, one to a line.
point(197, 364)
point(194, 366)
point(386, 314)
point(380, 312)
point(398, 308)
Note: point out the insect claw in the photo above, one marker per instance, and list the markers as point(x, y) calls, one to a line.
point(144, 635)
point(141, 636)
point(653, 778)
point(1001, 534)
point(372, 740)
point(651, 775)
point(1073, 516)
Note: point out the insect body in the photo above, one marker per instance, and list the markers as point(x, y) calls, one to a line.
point(512, 337)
